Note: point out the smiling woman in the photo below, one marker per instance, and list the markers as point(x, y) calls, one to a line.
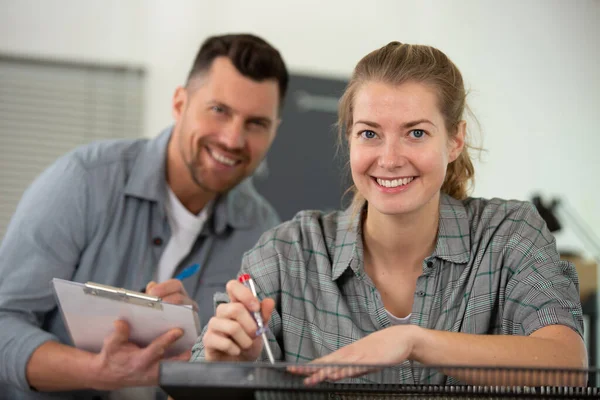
point(414, 270)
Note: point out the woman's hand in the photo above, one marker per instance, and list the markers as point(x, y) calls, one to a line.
point(231, 333)
point(390, 346)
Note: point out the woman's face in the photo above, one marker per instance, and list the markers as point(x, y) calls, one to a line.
point(399, 146)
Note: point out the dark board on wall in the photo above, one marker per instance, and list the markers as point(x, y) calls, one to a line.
point(302, 170)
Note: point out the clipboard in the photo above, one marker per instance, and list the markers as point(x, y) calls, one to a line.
point(89, 310)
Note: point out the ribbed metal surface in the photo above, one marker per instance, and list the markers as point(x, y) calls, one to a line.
point(264, 381)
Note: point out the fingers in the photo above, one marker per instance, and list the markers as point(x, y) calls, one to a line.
point(233, 332)
point(118, 337)
point(239, 293)
point(171, 291)
point(180, 298)
point(121, 330)
point(316, 374)
point(218, 344)
point(185, 356)
point(156, 349)
point(266, 309)
point(325, 368)
point(333, 374)
point(149, 286)
point(239, 314)
point(166, 288)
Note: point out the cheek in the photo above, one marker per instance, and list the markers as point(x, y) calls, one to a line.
point(259, 145)
point(360, 160)
point(432, 160)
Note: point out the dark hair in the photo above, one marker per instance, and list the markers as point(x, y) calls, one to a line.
point(252, 56)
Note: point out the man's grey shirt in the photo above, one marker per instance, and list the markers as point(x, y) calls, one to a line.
point(98, 214)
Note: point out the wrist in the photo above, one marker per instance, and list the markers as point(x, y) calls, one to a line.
point(417, 340)
point(95, 375)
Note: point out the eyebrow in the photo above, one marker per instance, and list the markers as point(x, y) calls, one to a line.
point(406, 125)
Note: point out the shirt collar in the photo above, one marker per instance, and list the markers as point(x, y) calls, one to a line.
point(452, 244)
point(454, 231)
point(149, 164)
point(348, 250)
point(147, 180)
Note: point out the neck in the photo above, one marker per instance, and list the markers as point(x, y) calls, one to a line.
point(191, 196)
point(401, 240)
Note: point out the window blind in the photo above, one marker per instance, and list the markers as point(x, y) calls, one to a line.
point(49, 107)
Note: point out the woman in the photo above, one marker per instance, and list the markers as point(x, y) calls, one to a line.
point(414, 270)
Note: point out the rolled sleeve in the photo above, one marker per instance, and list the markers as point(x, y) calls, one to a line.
point(544, 293)
point(16, 350)
point(44, 240)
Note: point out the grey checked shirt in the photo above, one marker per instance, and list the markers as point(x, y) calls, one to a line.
point(495, 270)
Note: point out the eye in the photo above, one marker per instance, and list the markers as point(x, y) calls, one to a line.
point(257, 126)
point(367, 134)
point(218, 109)
point(417, 133)
point(260, 124)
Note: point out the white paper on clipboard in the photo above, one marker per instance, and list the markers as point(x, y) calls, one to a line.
point(90, 309)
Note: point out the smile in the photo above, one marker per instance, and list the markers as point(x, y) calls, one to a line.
point(393, 183)
point(221, 158)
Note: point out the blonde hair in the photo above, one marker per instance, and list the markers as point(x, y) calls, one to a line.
point(397, 63)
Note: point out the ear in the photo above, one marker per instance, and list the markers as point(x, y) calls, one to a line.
point(457, 143)
point(180, 99)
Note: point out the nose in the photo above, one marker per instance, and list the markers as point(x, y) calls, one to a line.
point(234, 136)
point(392, 155)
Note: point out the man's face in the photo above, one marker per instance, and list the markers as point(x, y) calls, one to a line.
point(225, 124)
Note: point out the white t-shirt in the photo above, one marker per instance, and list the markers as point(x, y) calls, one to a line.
point(398, 321)
point(185, 228)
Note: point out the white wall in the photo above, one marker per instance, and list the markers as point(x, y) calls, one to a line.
point(533, 66)
point(111, 31)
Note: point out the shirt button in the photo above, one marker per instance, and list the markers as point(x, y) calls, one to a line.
point(157, 241)
point(420, 293)
point(429, 264)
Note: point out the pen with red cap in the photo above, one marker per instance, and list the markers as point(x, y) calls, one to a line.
point(247, 281)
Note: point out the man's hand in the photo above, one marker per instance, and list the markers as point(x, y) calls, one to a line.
point(123, 364)
point(171, 291)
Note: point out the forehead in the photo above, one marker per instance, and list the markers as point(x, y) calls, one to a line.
point(223, 83)
point(404, 102)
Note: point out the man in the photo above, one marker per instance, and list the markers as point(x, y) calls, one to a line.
point(133, 214)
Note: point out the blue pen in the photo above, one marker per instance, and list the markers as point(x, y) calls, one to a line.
point(186, 273)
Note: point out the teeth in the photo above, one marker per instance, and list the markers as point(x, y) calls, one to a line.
point(395, 182)
point(222, 159)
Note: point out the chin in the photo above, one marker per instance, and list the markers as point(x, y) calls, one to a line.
point(393, 210)
point(391, 207)
point(221, 187)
